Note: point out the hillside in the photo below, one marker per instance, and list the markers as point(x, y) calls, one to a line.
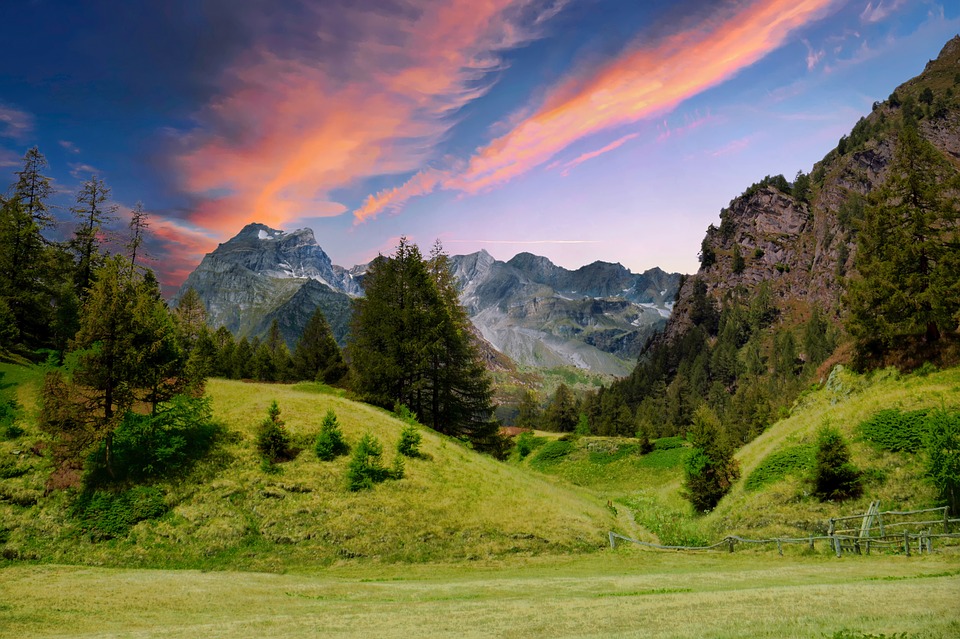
point(453, 504)
point(772, 501)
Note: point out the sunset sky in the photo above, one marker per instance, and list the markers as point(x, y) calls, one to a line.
point(581, 130)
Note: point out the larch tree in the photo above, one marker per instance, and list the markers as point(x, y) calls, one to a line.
point(908, 253)
point(92, 212)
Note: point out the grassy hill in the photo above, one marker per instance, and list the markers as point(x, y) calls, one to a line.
point(772, 496)
point(453, 504)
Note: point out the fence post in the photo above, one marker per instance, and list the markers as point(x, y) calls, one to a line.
point(906, 543)
point(836, 545)
point(929, 544)
point(730, 542)
point(868, 546)
point(946, 521)
point(811, 542)
point(780, 548)
point(830, 531)
point(613, 541)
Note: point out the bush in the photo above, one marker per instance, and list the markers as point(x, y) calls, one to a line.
point(942, 442)
point(834, 476)
point(527, 442)
point(147, 446)
point(107, 515)
point(667, 443)
point(895, 431)
point(404, 414)
point(793, 460)
point(330, 443)
point(366, 466)
point(273, 442)
point(554, 451)
point(409, 444)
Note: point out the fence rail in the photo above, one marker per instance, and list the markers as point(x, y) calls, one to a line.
point(858, 540)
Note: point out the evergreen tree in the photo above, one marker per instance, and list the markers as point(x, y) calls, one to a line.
point(330, 443)
point(317, 356)
point(273, 442)
point(411, 344)
point(92, 212)
point(33, 189)
point(366, 466)
point(191, 318)
point(241, 365)
point(139, 223)
point(561, 413)
point(711, 469)
point(908, 253)
point(834, 476)
point(529, 411)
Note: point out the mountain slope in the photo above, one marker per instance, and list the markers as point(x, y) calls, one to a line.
point(597, 317)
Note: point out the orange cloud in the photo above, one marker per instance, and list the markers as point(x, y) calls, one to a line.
point(290, 131)
point(183, 246)
point(646, 81)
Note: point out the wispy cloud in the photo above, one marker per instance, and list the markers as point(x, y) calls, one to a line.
point(881, 11)
point(566, 167)
point(80, 171)
point(732, 147)
point(522, 242)
point(289, 129)
point(814, 56)
point(646, 81)
point(68, 146)
point(15, 124)
point(9, 158)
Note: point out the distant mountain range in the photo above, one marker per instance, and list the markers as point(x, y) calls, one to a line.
point(597, 317)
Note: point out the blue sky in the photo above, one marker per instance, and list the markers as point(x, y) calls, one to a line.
point(577, 129)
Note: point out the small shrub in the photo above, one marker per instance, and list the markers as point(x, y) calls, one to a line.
point(330, 443)
point(793, 460)
point(404, 414)
point(834, 476)
point(942, 443)
point(527, 442)
point(409, 444)
point(273, 442)
point(895, 431)
point(666, 443)
point(366, 465)
point(554, 451)
point(107, 515)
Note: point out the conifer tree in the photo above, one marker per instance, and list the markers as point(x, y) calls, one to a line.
point(561, 413)
point(908, 253)
point(711, 469)
point(411, 344)
point(92, 212)
point(33, 189)
point(317, 356)
point(139, 223)
point(834, 476)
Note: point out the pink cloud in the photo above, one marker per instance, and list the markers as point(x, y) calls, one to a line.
point(584, 157)
point(880, 12)
point(289, 131)
point(645, 82)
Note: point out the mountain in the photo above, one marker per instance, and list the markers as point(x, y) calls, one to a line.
point(597, 317)
point(772, 306)
point(263, 274)
point(800, 238)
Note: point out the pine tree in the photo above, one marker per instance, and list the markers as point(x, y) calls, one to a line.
point(330, 443)
point(191, 318)
point(710, 470)
point(411, 344)
point(273, 442)
point(908, 251)
point(834, 476)
point(529, 411)
point(317, 356)
point(139, 223)
point(92, 212)
point(33, 189)
point(561, 413)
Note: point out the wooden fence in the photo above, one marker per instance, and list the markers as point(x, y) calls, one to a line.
point(891, 529)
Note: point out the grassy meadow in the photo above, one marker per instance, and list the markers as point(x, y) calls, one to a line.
point(628, 593)
point(464, 545)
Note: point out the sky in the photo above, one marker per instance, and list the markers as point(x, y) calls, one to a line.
point(580, 130)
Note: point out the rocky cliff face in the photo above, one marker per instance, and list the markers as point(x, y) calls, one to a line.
point(803, 245)
point(263, 274)
point(539, 314)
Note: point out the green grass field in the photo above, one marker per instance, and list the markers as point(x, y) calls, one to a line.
point(466, 546)
point(628, 593)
